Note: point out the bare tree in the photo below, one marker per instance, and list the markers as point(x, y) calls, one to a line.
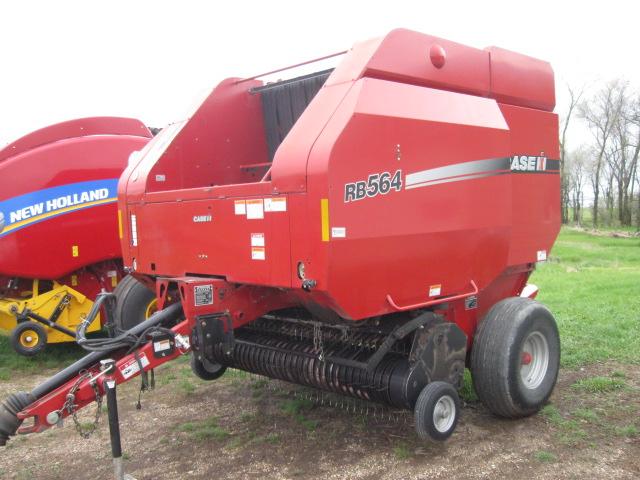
point(601, 112)
point(575, 97)
point(577, 175)
point(632, 120)
point(621, 158)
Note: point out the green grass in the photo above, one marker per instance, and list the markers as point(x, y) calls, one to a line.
point(585, 414)
point(207, 429)
point(401, 451)
point(467, 392)
point(599, 384)
point(592, 285)
point(569, 430)
point(186, 386)
point(545, 457)
point(551, 413)
point(296, 409)
point(627, 431)
point(55, 356)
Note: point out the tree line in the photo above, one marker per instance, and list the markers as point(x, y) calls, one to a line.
point(600, 180)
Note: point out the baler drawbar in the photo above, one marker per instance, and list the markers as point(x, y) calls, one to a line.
point(367, 230)
point(48, 403)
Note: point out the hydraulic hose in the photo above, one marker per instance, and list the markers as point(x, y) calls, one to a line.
point(9, 409)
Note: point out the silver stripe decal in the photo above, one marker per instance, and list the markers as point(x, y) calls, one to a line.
point(463, 171)
point(454, 179)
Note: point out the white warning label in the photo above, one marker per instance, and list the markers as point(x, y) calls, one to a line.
point(258, 253)
point(338, 232)
point(255, 209)
point(240, 207)
point(257, 239)
point(162, 345)
point(435, 290)
point(542, 255)
point(129, 368)
point(277, 204)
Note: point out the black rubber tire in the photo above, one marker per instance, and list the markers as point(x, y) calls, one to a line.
point(424, 410)
point(206, 370)
point(497, 353)
point(132, 300)
point(28, 351)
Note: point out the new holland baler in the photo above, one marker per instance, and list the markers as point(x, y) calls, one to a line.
point(59, 244)
point(367, 230)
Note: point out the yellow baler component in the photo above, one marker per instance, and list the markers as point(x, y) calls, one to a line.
point(44, 304)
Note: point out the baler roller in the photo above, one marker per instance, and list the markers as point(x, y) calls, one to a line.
point(297, 361)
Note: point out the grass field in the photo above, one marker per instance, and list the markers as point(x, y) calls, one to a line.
point(55, 356)
point(592, 285)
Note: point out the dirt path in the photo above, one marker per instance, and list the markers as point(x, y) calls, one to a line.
point(244, 427)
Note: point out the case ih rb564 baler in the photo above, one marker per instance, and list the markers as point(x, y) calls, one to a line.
point(59, 244)
point(367, 230)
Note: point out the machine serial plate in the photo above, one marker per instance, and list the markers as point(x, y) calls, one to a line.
point(203, 295)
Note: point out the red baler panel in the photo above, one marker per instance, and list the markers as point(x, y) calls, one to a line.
point(58, 202)
point(212, 237)
point(80, 127)
point(399, 243)
point(536, 194)
point(222, 143)
point(405, 56)
point(517, 79)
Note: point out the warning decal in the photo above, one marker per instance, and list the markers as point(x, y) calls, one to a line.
point(257, 239)
point(258, 253)
point(434, 290)
point(129, 368)
point(255, 209)
point(278, 204)
point(240, 207)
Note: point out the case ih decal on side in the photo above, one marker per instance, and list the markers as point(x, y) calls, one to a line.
point(376, 184)
point(527, 163)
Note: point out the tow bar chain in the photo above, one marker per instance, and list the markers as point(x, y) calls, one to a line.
point(71, 407)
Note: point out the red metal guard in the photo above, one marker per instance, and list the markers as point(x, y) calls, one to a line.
point(432, 302)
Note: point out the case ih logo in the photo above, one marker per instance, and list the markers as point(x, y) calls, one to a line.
point(525, 163)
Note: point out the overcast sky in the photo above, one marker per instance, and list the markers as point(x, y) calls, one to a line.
point(152, 59)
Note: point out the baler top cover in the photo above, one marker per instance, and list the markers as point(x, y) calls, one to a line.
point(57, 201)
point(417, 169)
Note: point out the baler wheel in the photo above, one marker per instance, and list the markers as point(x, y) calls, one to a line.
point(436, 411)
point(516, 357)
point(28, 338)
point(206, 370)
point(134, 303)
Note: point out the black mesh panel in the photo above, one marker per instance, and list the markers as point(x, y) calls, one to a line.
point(283, 103)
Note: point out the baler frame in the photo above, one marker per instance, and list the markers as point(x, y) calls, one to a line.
point(389, 212)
